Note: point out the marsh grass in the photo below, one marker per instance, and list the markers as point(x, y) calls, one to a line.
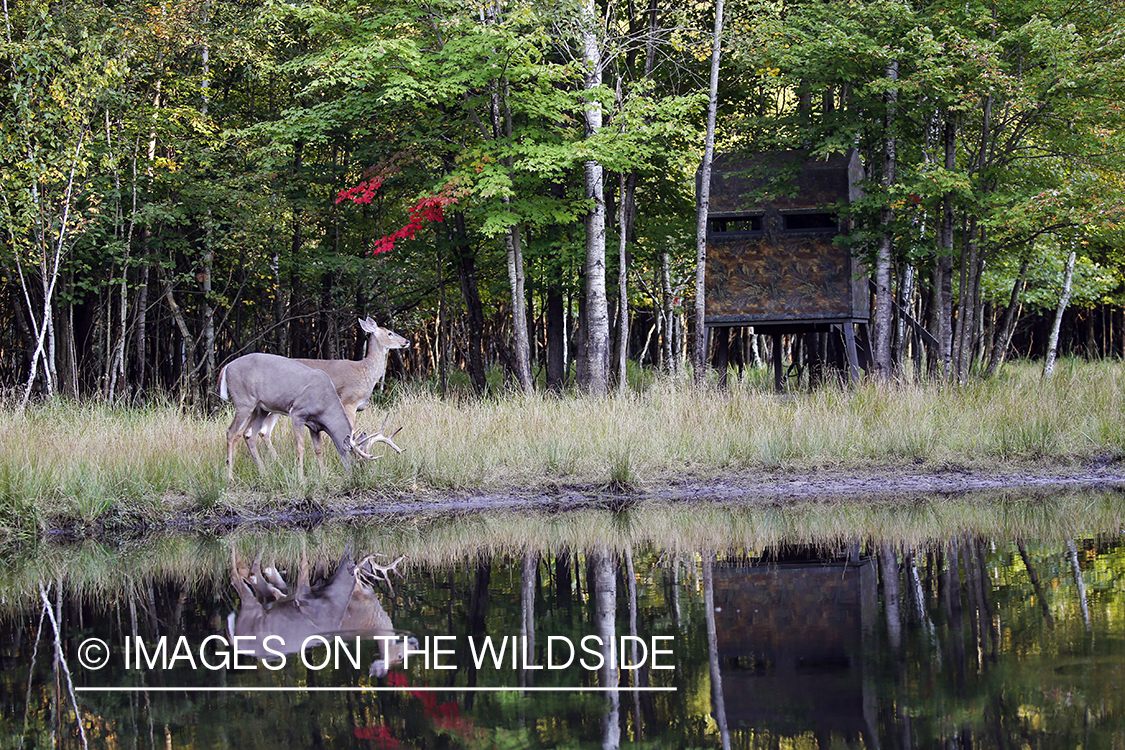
point(87, 463)
point(100, 571)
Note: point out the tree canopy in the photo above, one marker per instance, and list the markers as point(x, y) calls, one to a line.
point(183, 183)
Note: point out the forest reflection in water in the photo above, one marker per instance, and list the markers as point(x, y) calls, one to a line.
point(856, 635)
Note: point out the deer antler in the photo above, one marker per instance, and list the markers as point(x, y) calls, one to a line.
point(378, 572)
point(361, 443)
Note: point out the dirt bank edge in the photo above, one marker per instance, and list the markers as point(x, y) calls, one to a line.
point(876, 484)
point(777, 488)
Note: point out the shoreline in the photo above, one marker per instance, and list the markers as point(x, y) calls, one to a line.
point(743, 487)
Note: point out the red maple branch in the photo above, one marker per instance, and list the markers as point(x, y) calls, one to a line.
point(429, 209)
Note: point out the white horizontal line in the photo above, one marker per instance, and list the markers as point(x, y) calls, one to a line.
point(374, 689)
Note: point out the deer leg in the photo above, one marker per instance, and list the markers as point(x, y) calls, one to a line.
point(318, 447)
point(266, 431)
point(234, 433)
point(239, 573)
point(255, 423)
point(298, 426)
point(269, 446)
point(303, 585)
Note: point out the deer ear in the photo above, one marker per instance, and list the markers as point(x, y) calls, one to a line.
point(369, 325)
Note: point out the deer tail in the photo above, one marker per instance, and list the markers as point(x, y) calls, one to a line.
point(223, 385)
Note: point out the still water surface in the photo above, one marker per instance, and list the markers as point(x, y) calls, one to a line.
point(968, 640)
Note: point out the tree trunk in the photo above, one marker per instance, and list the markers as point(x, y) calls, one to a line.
point(942, 306)
point(967, 309)
point(467, 274)
point(699, 360)
point(883, 262)
point(604, 599)
point(721, 358)
point(970, 276)
point(67, 380)
point(207, 262)
point(596, 380)
point(118, 369)
point(1004, 332)
point(514, 249)
point(501, 127)
point(556, 349)
point(1064, 300)
point(718, 700)
point(623, 283)
point(528, 573)
point(142, 319)
point(51, 257)
point(284, 291)
point(892, 594)
point(902, 331)
point(667, 347)
point(189, 387)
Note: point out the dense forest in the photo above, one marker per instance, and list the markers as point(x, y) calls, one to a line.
point(512, 185)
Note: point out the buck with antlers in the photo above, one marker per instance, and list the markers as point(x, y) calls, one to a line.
point(354, 380)
point(263, 385)
point(343, 603)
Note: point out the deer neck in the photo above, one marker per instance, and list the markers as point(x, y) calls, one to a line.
point(376, 360)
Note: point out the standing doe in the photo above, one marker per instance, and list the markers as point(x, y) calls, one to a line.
point(263, 385)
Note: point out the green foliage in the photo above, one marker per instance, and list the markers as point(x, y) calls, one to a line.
point(1031, 90)
point(213, 186)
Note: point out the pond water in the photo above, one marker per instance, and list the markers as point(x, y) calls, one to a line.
point(496, 634)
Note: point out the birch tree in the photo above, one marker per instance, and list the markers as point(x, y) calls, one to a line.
point(56, 75)
point(700, 348)
point(1064, 300)
point(884, 266)
point(597, 306)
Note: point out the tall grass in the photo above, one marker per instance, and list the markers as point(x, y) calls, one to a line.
point(90, 464)
point(671, 430)
point(101, 570)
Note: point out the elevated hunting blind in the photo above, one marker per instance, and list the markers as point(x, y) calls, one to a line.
point(773, 260)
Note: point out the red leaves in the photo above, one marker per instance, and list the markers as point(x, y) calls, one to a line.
point(431, 208)
point(362, 193)
point(380, 735)
point(428, 209)
point(445, 716)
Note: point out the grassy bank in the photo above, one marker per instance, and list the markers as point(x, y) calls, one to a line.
point(90, 463)
point(678, 531)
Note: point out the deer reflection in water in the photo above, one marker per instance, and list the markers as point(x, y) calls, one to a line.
point(343, 603)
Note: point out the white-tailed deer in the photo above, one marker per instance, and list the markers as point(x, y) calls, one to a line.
point(354, 380)
point(344, 604)
point(261, 385)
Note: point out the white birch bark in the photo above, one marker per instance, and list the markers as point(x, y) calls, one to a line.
point(704, 202)
point(883, 263)
point(51, 268)
point(513, 246)
point(622, 295)
point(597, 307)
point(605, 626)
point(718, 701)
point(1064, 300)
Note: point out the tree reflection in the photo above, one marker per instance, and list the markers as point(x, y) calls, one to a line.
point(967, 641)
